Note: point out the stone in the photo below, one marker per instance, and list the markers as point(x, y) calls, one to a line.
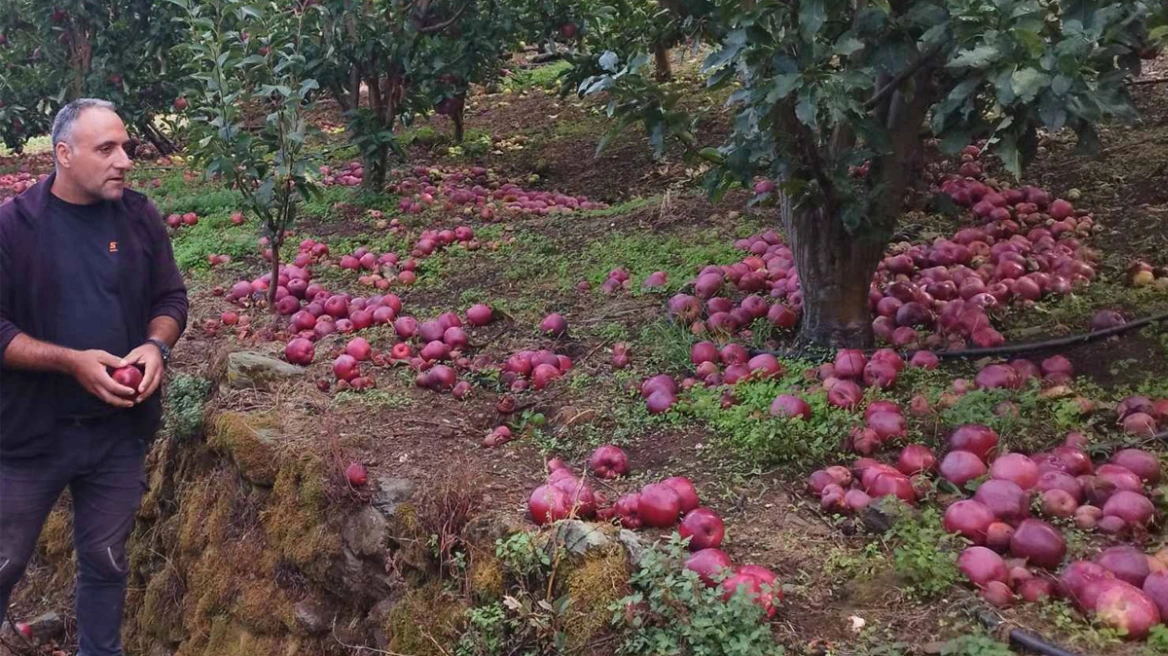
point(48, 626)
point(366, 532)
point(381, 610)
point(251, 370)
point(632, 545)
point(580, 537)
point(313, 616)
point(391, 493)
point(359, 578)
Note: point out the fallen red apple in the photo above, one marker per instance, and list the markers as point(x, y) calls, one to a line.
point(1126, 608)
point(659, 506)
point(548, 504)
point(686, 492)
point(708, 564)
point(703, 527)
point(355, 474)
point(609, 461)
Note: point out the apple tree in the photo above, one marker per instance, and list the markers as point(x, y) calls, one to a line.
point(55, 51)
point(248, 114)
point(836, 99)
point(388, 62)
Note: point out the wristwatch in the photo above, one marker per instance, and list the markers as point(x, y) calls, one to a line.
point(161, 347)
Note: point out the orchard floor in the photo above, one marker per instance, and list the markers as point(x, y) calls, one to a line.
point(841, 586)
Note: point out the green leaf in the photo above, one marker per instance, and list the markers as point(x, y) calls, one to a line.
point(1032, 41)
point(979, 57)
point(1027, 82)
point(812, 15)
point(1007, 151)
point(732, 45)
point(848, 45)
point(1061, 85)
point(806, 107)
point(954, 141)
point(784, 85)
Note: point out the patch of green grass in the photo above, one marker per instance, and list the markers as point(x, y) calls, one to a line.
point(537, 77)
point(975, 645)
point(475, 143)
point(924, 553)
point(41, 144)
point(749, 431)
point(679, 256)
point(422, 135)
point(213, 235)
point(198, 199)
point(1072, 313)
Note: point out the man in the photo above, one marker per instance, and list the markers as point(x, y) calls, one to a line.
point(88, 283)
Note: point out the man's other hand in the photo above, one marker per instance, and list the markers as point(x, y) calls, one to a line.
point(90, 370)
point(150, 357)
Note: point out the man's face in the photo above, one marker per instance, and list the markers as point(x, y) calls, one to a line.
point(96, 162)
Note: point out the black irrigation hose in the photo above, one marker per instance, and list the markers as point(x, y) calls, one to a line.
point(1060, 342)
point(1020, 638)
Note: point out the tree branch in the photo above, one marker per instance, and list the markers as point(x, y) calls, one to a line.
point(438, 27)
point(900, 78)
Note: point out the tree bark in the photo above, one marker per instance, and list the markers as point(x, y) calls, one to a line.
point(835, 271)
point(661, 57)
point(457, 116)
point(275, 281)
point(163, 145)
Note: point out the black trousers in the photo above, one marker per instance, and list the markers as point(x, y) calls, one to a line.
point(103, 464)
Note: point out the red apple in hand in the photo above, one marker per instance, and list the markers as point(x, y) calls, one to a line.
point(609, 462)
point(129, 375)
point(703, 527)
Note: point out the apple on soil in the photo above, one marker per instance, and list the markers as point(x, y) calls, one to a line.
point(703, 527)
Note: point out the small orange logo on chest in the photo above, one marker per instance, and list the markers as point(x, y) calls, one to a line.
point(113, 247)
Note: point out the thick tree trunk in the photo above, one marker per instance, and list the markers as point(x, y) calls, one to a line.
point(457, 116)
point(661, 57)
point(835, 272)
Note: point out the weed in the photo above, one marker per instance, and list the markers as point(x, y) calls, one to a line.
point(666, 345)
point(538, 77)
point(443, 516)
point(679, 256)
point(975, 645)
point(672, 612)
point(1157, 641)
point(475, 143)
point(185, 397)
point(485, 632)
point(749, 430)
point(925, 554)
point(864, 565)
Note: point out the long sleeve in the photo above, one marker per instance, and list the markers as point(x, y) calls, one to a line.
point(169, 292)
point(8, 329)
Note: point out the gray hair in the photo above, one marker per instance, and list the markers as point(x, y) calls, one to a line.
point(67, 117)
